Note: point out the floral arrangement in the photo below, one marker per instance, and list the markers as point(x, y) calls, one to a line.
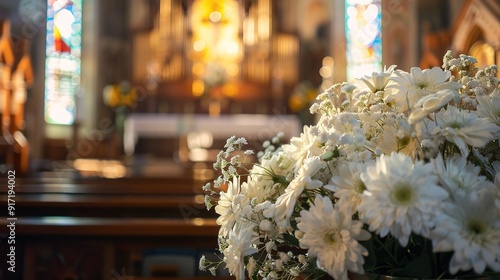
point(120, 95)
point(399, 176)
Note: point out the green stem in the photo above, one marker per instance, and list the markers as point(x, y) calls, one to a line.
point(383, 245)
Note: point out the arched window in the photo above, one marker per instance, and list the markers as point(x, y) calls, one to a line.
point(363, 29)
point(62, 62)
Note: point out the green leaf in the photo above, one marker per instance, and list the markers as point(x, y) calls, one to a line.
point(290, 239)
point(420, 267)
point(371, 259)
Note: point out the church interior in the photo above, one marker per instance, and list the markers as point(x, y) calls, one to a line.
point(113, 111)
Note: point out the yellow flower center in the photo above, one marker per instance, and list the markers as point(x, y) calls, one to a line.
point(359, 186)
point(402, 194)
point(475, 226)
point(422, 85)
point(455, 125)
point(404, 141)
point(332, 238)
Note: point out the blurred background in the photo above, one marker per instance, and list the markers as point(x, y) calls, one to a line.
point(118, 85)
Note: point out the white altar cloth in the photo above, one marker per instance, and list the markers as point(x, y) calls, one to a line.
point(252, 127)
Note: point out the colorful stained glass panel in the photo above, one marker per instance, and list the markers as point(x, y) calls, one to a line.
point(363, 37)
point(62, 63)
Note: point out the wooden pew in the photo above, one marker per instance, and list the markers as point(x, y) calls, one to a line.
point(101, 226)
point(115, 242)
point(115, 227)
point(134, 197)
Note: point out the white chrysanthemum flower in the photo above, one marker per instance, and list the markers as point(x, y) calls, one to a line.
point(489, 107)
point(304, 146)
point(228, 205)
point(241, 241)
point(371, 88)
point(377, 81)
point(332, 236)
point(347, 185)
point(401, 197)
point(470, 230)
point(396, 135)
point(261, 183)
point(285, 203)
point(409, 88)
point(465, 128)
point(430, 104)
point(458, 176)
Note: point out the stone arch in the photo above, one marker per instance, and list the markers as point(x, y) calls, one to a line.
point(478, 21)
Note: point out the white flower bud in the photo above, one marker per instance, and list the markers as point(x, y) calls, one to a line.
point(265, 225)
point(270, 246)
point(203, 263)
point(270, 211)
point(284, 257)
point(279, 265)
point(251, 266)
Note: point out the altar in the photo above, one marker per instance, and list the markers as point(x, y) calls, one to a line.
point(254, 127)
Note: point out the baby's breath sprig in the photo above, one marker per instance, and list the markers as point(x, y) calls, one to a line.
point(212, 266)
point(270, 147)
point(230, 162)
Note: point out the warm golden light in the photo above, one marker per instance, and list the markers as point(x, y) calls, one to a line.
point(232, 48)
point(215, 16)
point(231, 90)
point(101, 168)
point(233, 70)
point(325, 71)
point(199, 199)
point(198, 87)
point(328, 60)
point(198, 69)
point(199, 45)
point(198, 221)
point(215, 27)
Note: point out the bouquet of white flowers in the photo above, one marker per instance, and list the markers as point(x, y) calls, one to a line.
point(400, 176)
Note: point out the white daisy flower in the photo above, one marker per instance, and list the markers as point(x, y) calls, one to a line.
point(347, 185)
point(395, 135)
point(228, 205)
point(302, 147)
point(489, 107)
point(285, 204)
point(465, 128)
point(458, 176)
point(332, 236)
point(259, 190)
point(377, 81)
point(371, 88)
point(430, 104)
point(401, 197)
point(240, 242)
point(409, 88)
point(468, 228)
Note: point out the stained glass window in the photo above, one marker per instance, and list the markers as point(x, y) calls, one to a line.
point(62, 63)
point(363, 37)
